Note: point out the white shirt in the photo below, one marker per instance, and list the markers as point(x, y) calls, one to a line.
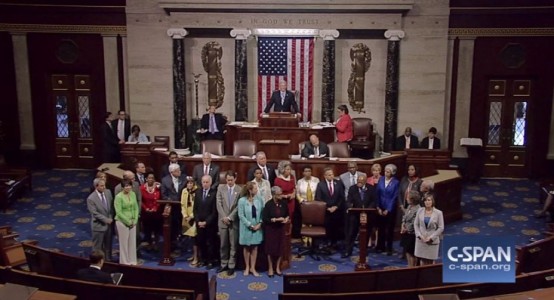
point(121, 129)
point(302, 187)
point(431, 144)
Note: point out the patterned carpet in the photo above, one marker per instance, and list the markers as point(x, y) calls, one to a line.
point(55, 214)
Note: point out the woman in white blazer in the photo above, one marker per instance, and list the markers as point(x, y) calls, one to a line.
point(428, 227)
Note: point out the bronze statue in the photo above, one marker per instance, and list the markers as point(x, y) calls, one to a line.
point(361, 61)
point(211, 60)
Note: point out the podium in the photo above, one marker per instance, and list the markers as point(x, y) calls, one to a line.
point(279, 119)
point(365, 213)
point(166, 259)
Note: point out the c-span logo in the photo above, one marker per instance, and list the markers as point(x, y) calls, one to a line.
point(478, 259)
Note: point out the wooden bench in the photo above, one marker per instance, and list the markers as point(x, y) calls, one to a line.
point(11, 250)
point(524, 282)
point(535, 256)
point(378, 280)
point(46, 262)
point(85, 290)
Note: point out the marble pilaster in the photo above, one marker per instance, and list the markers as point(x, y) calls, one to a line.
point(23, 87)
point(391, 87)
point(111, 73)
point(328, 75)
point(241, 73)
point(179, 93)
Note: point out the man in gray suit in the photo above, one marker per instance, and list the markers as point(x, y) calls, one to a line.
point(100, 206)
point(206, 168)
point(226, 203)
point(350, 178)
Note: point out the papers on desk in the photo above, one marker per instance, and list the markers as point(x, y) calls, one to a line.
point(200, 156)
point(247, 157)
point(144, 143)
point(326, 124)
point(236, 123)
point(250, 125)
point(160, 149)
point(182, 152)
point(471, 142)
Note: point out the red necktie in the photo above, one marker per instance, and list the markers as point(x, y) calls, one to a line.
point(206, 171)
point(331, 188)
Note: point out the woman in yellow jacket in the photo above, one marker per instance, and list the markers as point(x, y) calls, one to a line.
point(189, 226)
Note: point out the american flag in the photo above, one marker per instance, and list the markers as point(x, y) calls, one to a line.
point(289, 59)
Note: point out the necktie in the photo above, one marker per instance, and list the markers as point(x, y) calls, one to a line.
point(353, 179)
point(331, 188)
point(230, 197)
point(309, 193)
point(206, 170)
point(205, 195)
point(176, 184)
point(265, 173)
point(282, 99)
point(362, 194)
point(104, 202)
point(141, 178)
point(212, 124)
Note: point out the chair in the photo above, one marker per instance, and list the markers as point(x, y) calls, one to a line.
point(313, 218)
point(338, 150)
point(363, 138)
point(162, 139)
point(214, 147)
point(244, 148)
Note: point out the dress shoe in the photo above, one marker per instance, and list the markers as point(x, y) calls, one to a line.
point(200, 264)
point(209, 266)
point(230, 272)
point(221, 269)
point(345, 255)
point(270, 275)
point(279, 274)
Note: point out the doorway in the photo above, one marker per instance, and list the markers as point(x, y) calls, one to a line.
point(506, 137)
point(71, 103)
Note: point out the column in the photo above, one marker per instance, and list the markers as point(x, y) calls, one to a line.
point(111, 73)
point(328, 75)
point(241, 74)
point(23, 82)
point(125, 70)
point(391, 87)
point(179, 95)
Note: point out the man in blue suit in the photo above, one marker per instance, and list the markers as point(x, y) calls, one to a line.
point(283, 100)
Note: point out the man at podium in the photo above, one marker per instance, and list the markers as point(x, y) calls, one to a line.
point(283, 100)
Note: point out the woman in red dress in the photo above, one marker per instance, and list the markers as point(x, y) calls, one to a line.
point(151, 215)
point(344, 125)
point(287, 183)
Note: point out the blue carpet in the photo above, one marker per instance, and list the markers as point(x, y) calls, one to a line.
point(55, 214)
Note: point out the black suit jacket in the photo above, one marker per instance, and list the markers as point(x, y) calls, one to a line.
point(111, 144)
point(198, 172)
point(270, 171)
point(220, 122)
point(165, 170)
point(322, 193)
point(425, 143)
point(168, 189)
point(205, 210)
point(94, 275)
point(355, 200)
point(309, 149)
point(126, 127)
point(289, 104)
point(401, 143)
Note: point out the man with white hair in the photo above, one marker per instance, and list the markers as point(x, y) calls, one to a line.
point(172, 186)
point(206, 168)
point(205, 218)
point(282, 100)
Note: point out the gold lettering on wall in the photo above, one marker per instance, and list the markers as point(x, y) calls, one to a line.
point(283, 21)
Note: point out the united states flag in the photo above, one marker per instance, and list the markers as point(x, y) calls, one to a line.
point(289, 59)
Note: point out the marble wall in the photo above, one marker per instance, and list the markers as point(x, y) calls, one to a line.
point(423, 61)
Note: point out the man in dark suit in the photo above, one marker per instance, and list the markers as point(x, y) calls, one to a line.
point(94, 272)
point(140, 172)
point(406, 141)
point(267, 170)
point(100, 206)
point(205, 217)
point(431, 141)
point(314, 148)
point(212, 125)
point(122, 126)
point(172, 186)
point(331, 192)
point(360, 195)
point(206, 168)
point(283, 100)
point(110, 149)
point(173, 159)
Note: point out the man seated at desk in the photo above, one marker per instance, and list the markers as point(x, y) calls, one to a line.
point(406, 141)
point(283, 100)
point(314, 148)
point(94, 271)
point(212, 125)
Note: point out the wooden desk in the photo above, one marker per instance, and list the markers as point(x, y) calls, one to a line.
point(296, 135)
point(241, 165)
point(535, 294)
point(133, 153)
point(428, 161)
point(448, 194)
point(114, 172)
